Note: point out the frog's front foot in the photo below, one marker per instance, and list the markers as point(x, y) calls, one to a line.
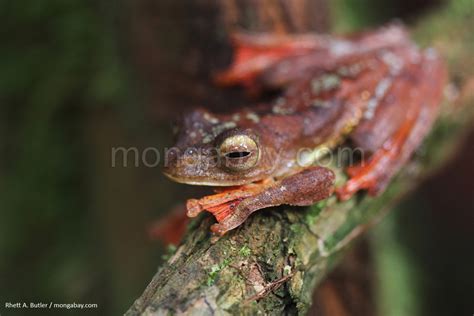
point(304, 188)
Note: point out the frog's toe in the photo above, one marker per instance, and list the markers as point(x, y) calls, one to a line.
point(219, 229)
point(354, 185)
point(228, 224)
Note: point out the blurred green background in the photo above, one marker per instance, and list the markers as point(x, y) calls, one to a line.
point(74, 229)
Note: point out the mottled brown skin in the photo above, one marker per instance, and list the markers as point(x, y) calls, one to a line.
point(377, 89)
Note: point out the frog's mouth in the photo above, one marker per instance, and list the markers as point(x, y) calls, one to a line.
point(206, 182)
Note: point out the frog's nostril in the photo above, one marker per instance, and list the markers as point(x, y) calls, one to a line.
point(170, 159)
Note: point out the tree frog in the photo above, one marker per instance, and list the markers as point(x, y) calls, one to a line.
point(376, 91)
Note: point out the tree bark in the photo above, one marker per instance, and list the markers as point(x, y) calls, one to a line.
point(272, 263)
point(178, 45)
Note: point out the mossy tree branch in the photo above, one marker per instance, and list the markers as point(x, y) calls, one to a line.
point(273, 262)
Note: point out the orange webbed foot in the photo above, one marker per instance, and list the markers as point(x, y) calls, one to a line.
point(215, 203)
point(223, 204)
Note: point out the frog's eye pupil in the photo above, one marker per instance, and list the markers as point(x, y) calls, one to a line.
point(238, 154)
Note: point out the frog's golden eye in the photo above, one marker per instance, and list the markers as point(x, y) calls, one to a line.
point(239, 152)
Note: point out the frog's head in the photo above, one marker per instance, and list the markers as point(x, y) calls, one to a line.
point(216, 150)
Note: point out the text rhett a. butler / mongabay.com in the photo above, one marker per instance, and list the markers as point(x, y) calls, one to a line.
point(49, 305)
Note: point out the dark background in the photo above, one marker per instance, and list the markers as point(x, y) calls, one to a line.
point(74, 229)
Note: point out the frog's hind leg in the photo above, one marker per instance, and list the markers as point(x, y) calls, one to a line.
point(420, 99)
point(255, 53)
